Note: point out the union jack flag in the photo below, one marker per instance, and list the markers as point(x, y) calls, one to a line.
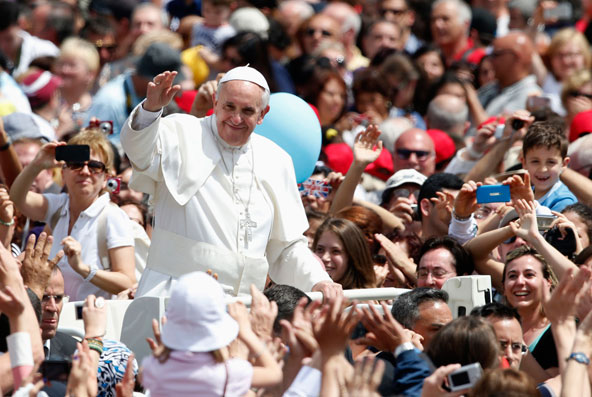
point(314, 187)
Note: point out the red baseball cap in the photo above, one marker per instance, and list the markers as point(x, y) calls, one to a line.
point(444, 145)
point(39, 86)
point(580, 125)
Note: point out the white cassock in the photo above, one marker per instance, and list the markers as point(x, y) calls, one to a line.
point(201, 201)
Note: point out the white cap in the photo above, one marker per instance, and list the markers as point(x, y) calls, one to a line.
point(401, 177)
point(245, 73)
point(197, 320)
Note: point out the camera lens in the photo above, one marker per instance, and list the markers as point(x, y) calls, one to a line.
point(517, 124)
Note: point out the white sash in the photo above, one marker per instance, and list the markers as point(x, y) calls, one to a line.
point(175, 255)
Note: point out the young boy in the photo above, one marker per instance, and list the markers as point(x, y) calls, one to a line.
point(214, 29)
point(544, 152)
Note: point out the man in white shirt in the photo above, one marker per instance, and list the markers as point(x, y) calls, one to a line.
point(225, 200)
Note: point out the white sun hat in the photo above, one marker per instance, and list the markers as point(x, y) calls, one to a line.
point(197, 320)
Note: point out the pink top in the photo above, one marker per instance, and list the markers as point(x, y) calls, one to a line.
point(196, 374)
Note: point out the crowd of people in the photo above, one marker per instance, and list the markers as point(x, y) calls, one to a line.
point(455, 141)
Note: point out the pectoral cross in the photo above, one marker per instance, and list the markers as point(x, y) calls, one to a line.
point(248, 223)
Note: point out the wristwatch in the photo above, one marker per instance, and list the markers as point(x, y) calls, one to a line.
point(579, 357)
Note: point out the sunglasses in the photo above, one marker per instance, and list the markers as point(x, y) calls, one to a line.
point(576, 94)
point(311, 32)
point(47, 298)
point(404, 154)
point(94, 166)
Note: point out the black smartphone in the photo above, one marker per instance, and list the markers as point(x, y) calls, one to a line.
point(78, 306)
point(56, 369)
point(72, 153)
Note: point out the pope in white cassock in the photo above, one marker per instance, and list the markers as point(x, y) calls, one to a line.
point(224, 199)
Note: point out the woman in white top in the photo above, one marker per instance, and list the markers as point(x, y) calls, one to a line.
point(76, 215)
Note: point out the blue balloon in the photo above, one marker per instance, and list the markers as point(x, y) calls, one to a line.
point(293, 125)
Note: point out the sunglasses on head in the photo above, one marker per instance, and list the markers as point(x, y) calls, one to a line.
point(94, 166)
point(311, 32)
point(404, 154)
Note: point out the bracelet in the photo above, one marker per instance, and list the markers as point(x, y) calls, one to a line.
point(5, 146)
point(579, 357)
point(473, 153)
point(91, 274)
point(95, 344)
point(7, 224)
point(458, 218)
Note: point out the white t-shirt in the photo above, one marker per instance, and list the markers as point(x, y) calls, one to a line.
point(119, 234)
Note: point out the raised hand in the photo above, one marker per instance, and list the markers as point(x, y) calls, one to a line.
point(384, 332)
point(562, 304)
point(466, 200)
point(36, 267)
point(520, 188)
point(367, 147)
point(73, 250)
point(45, 158)
point(333, 330)
point(160, 91)
point(263, 314)
point(6, 206)
point(528, 223)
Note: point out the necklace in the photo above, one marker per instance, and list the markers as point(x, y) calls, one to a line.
point(247, 223)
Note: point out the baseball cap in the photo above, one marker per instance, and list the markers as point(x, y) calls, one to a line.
point(443, 144)
point(158, 58)
point(250, 19)
point(197, 320)
point(39, 86)
point(401, 177)
point(580, 125)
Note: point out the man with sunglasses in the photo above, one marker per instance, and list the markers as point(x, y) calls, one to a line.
point(415, 149)
point(226, 200)
point(401, 13)
point(56, 344)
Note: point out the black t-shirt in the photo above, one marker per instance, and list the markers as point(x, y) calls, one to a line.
point(545, 351)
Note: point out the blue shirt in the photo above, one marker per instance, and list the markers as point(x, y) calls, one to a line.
point(558, 197)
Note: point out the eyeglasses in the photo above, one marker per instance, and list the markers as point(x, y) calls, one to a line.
point(56, 298)
point(311, 32)
point(436, 273)
point(94, 166)
point(100, 44)
point(510, 240)
point(404, 154)
point(396, 12)
point(516, 347)
point(576, 94)
point(405, 193)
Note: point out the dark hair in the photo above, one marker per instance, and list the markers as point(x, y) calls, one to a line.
point(62, 20)
point(465, 340)
point(585, 214)
point(496, 309)
point(360, 268)
point(463, 262)
point(447, 78)
point(435, 183)
point(140, 206)
point(98, 25)
point(369, 80)
point(286, 297)
point(252, 50)
point(316, 84)
point(542, 133)
point(9, 13)
point(405, 308)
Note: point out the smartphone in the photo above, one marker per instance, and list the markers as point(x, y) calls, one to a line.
point(505, 175)
point(315, 187)
point(78, 307)
point(499, 131)
point(465, 377)
point(56, 370)
point(544, 222)
point(493, 194)
point(72, 153)
point(538, 102)
point(561, 12)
